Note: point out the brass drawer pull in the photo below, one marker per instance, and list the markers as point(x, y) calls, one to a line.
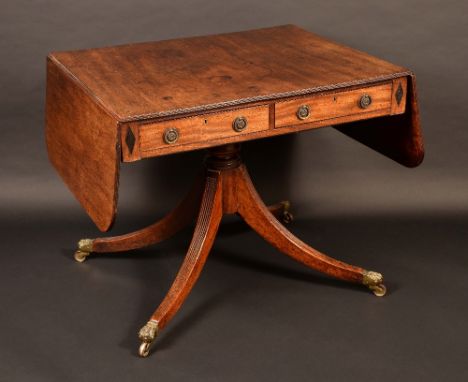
point(303, 112)
point(365, 101)
point(171, 135)
point(239, 124)
point(198, 130)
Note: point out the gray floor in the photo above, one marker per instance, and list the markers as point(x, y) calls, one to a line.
point(254, 314)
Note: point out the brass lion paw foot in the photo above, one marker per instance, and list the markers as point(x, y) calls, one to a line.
point(147, 335)
point(85, 247)
point(374, 281)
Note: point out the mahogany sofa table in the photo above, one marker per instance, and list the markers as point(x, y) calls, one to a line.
point(121, 104)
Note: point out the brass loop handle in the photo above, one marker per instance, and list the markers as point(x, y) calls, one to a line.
point(171, 135)
point(239, 124)
point(365, 101)
point(303, 112)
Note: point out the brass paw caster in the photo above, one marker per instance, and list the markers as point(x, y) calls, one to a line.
point(85, 247)
point(374, 281)
point(143, 351)
point(147, 334)
point(379, 290)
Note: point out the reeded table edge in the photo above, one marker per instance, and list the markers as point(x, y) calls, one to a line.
point(268, 97)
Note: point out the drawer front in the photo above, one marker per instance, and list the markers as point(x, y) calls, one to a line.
point(202, 128)
point(335, 105)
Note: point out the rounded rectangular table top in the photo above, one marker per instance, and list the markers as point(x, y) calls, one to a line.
point(129, 102)
point(173, 77)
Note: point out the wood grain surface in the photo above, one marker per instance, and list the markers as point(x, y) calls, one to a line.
point(169, 225)
point(202, 128)
point(229, 190)
point(83, 145)
point(209, 218)
point(399, 102)
point(174, 77)
point(256, 214)
point(398, 137)
point(109, 104)
point(334, 105)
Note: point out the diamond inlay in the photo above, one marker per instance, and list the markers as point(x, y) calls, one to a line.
point(399, 94)
point(130, 140)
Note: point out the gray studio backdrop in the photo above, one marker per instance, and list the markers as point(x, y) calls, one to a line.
point(347, 199)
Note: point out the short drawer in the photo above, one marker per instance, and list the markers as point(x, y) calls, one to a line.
point(201, 128)
point(376, 100)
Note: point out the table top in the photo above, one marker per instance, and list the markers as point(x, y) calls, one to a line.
point(173, 77)
point(119, 104)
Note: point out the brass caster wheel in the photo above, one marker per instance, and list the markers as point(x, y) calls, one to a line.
point(374, 281)
point(379, 290)
point(81, 256)
point(143, 351)
point(85, 247)
point(147, 334)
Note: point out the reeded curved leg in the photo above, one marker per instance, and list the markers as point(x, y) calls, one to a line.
point(211, 212)
point(169, 225)
point(259, 218)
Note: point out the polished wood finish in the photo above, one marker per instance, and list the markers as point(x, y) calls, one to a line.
point(174, 221)
point(252, 209)
point(229, 190)
point(334, 105)
point(275, 118)
point(208, 127)
point(110, 105)
point(83, 145)
point(209, 217)
point(173, 149)
point(163, 229)
point(99, 100)
point(398, 137)
point(399, 104)
point(192, 75)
